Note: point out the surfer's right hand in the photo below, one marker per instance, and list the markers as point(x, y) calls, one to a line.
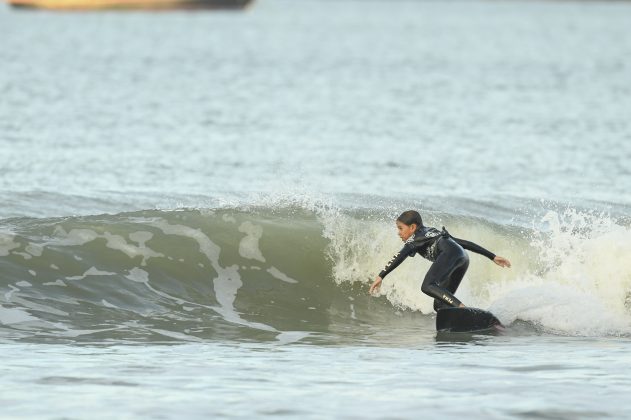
point(501, 261)
point(374, 287)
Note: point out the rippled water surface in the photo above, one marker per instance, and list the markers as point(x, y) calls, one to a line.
point(500, 378)
point(192, 207)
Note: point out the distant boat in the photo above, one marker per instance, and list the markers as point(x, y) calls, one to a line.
point(128, 4)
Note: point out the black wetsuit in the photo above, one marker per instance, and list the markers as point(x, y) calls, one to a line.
point(450, 262)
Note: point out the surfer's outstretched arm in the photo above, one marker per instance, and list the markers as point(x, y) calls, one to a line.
point(468, 245)
point(398, 258)
point(394, 262)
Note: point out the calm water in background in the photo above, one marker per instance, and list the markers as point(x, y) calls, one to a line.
point(193, 205)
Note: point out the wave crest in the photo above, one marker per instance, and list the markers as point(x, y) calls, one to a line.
point(283, 273)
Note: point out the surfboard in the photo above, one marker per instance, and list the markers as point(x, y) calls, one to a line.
point(467, 320)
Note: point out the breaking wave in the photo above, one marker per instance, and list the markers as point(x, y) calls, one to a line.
point(291, 273)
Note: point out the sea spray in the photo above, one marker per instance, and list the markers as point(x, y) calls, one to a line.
point(581, 282)
point(359, 248)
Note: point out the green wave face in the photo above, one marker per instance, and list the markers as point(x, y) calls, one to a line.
point(175, 275)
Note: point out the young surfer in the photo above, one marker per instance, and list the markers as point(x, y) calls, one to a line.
point(448, 256)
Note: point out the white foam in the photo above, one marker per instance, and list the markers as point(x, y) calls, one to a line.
point(82, 236)
point(9, 316)
point(574, 277)
point(73, 238)
point(108, 305)
point(92, 271)
point(249, 245)
point(582, 285)
point(7, 244)
point(55, 283)
point(138, 275)
point(119, 243)
point(287, 337)
point(140, 237)
point(275, 272)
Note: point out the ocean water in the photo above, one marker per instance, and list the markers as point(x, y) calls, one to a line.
point(193, 206)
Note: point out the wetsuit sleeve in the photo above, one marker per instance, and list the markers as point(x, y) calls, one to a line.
point(474, 247)
point(407, 250)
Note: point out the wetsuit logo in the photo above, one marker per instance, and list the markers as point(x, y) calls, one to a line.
point(392, 260)
point(448, 299)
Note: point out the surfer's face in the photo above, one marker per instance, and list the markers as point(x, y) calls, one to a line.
point(405, 231)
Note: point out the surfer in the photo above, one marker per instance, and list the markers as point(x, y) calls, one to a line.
point(448, 256)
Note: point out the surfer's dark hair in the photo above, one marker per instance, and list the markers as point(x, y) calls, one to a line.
point(410, 217)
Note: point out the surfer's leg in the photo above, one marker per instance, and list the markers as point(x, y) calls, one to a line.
point(453, 281)
point(439, 304)
point(445, 275)
point(437, 274)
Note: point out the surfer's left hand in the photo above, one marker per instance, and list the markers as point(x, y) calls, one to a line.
point(501, 261)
